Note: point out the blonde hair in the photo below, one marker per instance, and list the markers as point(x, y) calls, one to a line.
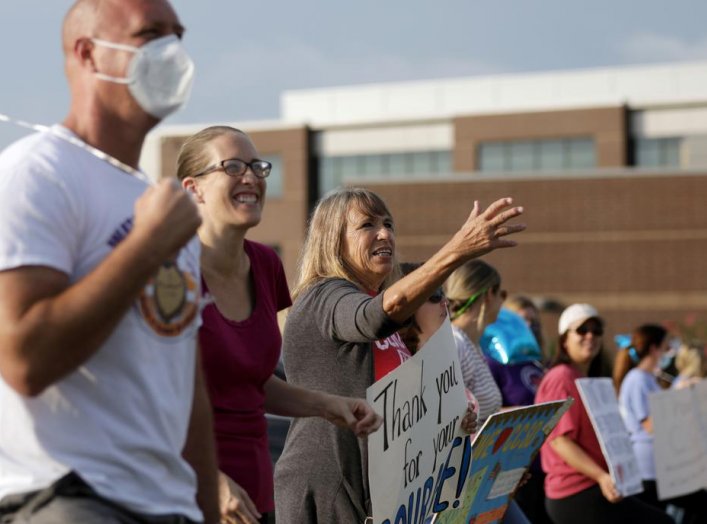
point(519, 303)
point(322, 252)
point(474, 276)
point(690, 360)
point(193, 156)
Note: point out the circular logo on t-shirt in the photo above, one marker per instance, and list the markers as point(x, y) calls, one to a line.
point(531, 377)
point(169, 302)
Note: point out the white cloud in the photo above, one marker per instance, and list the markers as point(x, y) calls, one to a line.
point(652, 47)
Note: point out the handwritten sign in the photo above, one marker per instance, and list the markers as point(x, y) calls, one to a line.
point(422, 403)
point(600, 401)
point(680, 439)
point(500, 454)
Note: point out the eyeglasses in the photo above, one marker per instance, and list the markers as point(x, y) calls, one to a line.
point(437, 297)
point(238, 167)
point(582, 330)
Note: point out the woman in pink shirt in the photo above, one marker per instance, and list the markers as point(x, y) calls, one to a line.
point(240, 338)
point(578, 487)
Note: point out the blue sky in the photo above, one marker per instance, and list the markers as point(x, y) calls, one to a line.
point(247, 53)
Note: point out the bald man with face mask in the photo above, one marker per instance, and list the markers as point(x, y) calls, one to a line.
point(103, 412)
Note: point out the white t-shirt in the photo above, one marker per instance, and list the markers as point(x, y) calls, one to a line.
point(120, 420)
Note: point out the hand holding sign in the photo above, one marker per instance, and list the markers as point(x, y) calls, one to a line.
point(470, 420)
point(608, 488)
point(353, 413)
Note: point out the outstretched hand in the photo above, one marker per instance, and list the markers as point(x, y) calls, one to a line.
point(486, 230)
point(353, 413)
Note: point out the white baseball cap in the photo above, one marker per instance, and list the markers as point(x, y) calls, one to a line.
point(576, 314)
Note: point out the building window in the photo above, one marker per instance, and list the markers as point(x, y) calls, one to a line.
point(537, 155)
point(657, 152)
point(334, 169)
point(276, 176)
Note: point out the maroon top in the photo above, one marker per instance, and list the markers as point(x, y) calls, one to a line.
point(238, 358)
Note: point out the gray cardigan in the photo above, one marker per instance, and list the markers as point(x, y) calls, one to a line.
point(322, 474)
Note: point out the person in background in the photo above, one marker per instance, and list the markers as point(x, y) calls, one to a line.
point(691, 364)
point(240, 337)
point(341, 336)
point(578, 486)
point(517, 379)
point(640, 362)
point(518, 383)
point(529, 312)
point(427, 319)
point(475, 297)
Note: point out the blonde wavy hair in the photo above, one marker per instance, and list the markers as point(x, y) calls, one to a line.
point(472, 277)
point(322, 254)
point(690, 360)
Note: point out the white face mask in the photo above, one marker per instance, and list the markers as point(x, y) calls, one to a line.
point(160, 74)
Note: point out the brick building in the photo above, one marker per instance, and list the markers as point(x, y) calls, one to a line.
point(610, 165)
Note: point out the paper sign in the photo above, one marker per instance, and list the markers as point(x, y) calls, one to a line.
point(600, 401)
point(680, 439)
point(422, 403)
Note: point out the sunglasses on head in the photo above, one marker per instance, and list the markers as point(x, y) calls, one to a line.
point(582, 330)
point(459, 312)
point(437, 297)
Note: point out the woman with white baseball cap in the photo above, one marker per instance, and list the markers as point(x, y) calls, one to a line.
point(578, 487)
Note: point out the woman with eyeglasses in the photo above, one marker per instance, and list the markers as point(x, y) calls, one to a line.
point(639, 365)
point(341, 336)
point(240, 338)
point(578, 486)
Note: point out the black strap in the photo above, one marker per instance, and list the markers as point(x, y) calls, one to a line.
point(22, 506)
point(26, 504)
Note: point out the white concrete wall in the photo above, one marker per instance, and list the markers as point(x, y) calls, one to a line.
point(386, 139)
point(669, 122)
point(638, 86)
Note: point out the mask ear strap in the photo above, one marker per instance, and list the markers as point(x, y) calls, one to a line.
point(114, 79)
point(633, 354)
point(119, 47)
point(114, 45)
